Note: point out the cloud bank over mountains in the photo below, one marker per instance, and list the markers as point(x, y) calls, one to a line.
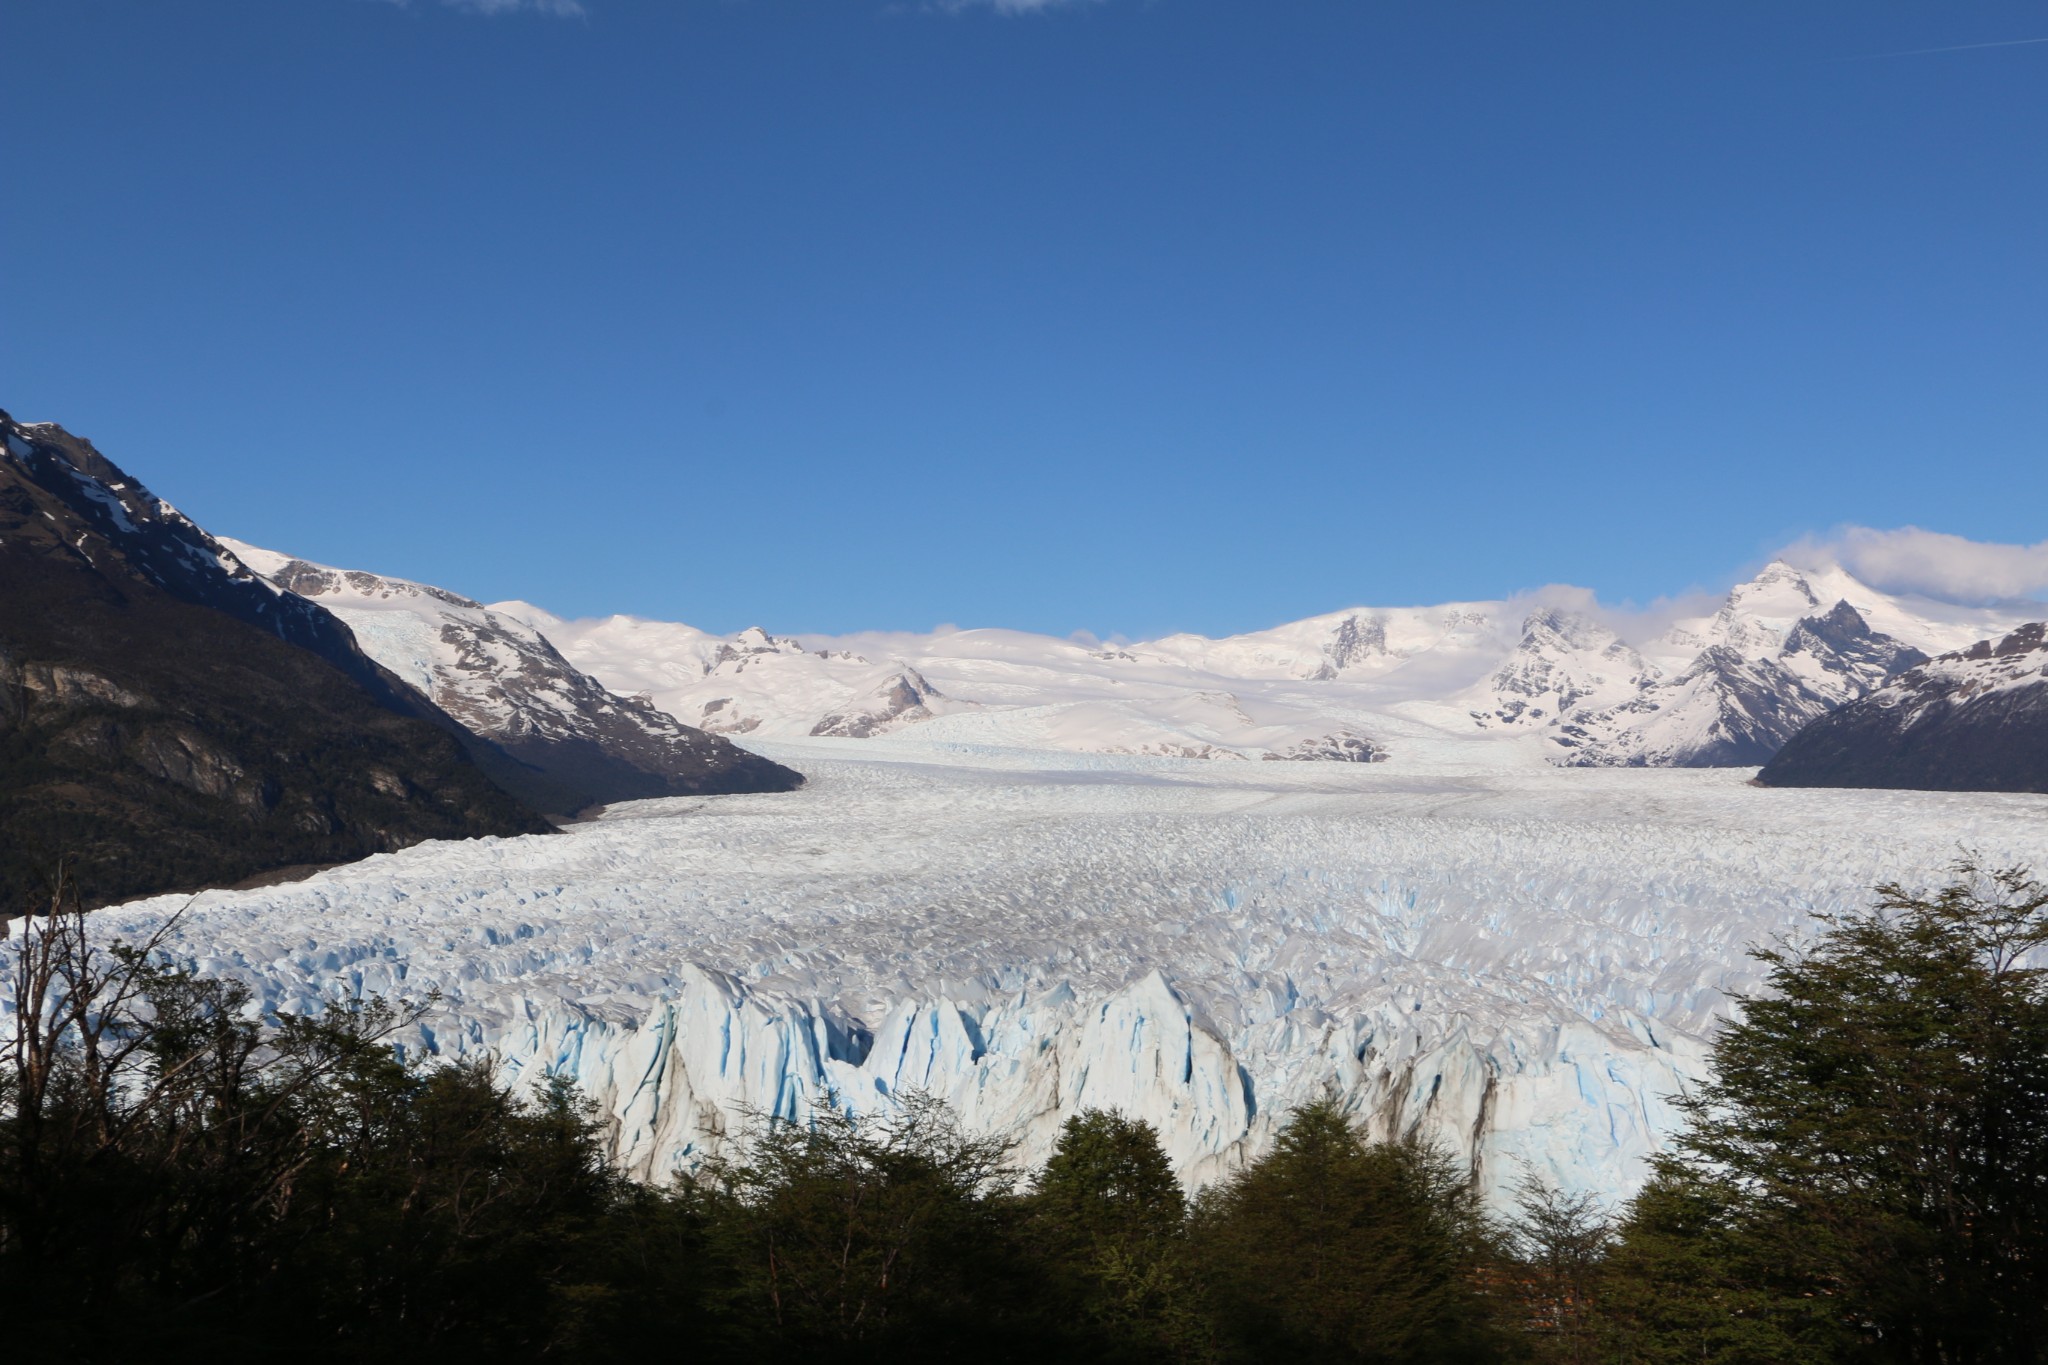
point(1948, 568)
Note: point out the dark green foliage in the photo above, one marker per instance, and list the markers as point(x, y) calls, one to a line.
point(1865, 1176)
point(177, 1181)
point(1331, 1248)
point(1696, 1275)
point(1559, 1241)
point(1108, 1215)
point(1108, 1184)
point(873, 1239)
point(1884, 1109)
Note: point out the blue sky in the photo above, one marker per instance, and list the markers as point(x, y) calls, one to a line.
point(1119, 315)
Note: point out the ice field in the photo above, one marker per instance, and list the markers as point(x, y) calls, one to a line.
point(1520, 960)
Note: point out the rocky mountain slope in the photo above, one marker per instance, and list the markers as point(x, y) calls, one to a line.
point(1972, 720)
point(1552, 676)
point(503, 680)
point(170, 719)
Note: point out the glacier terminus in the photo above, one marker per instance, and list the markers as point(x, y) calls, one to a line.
point(1519, 960)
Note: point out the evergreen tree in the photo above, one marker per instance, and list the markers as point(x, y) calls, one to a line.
point(1872, 1146)
point(1333, 1249)
point(1558, 1242)
point(1109, 1216)
point(888, 1238)
point(1696, 1277)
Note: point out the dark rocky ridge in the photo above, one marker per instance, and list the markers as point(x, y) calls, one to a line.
point(169, 720)
point(1842, 643)
point(1975, 720)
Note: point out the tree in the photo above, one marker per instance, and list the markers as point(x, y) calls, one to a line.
point(1334, 1249)
point(181, 1178)
point(1873, 1141)
point(1696, 1277)
point(887, 1237)
point(1109, 1216)
point(1559, 1241)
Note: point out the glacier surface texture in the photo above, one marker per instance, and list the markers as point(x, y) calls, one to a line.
point(1522, 961)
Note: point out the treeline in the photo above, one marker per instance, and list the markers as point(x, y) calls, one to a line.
point(1865, 1177)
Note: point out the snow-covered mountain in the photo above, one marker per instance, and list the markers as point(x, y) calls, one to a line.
point(1554, 675)
point(1972, 720)
point(983, 686)
point(503, 680)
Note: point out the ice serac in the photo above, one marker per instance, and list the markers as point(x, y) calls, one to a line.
point(504, 681)
point(1972, 720)
point(681, 1084)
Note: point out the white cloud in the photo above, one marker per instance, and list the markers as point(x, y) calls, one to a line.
point(1007, 6)
point(566, 9)
point(1931, 563)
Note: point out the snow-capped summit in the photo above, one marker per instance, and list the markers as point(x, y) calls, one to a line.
point(1718, 690)
point(1359, 641)
point(1565, 663)
point(1840, 657)
point(172, 719)
point(1755, 618)
point(158, 542)
point(1551, 679)
point(902, 699)
point(751, 643)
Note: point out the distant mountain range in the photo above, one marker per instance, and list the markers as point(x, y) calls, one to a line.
point(179, 710)
point(1552, 679)
point(170, 718)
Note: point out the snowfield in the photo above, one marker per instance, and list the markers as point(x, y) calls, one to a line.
point(1713, 685)
point(1521, 960)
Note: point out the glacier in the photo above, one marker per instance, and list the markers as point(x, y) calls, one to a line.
point(1522, 962)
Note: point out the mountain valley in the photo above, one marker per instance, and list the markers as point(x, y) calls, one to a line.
point(1484, 871)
